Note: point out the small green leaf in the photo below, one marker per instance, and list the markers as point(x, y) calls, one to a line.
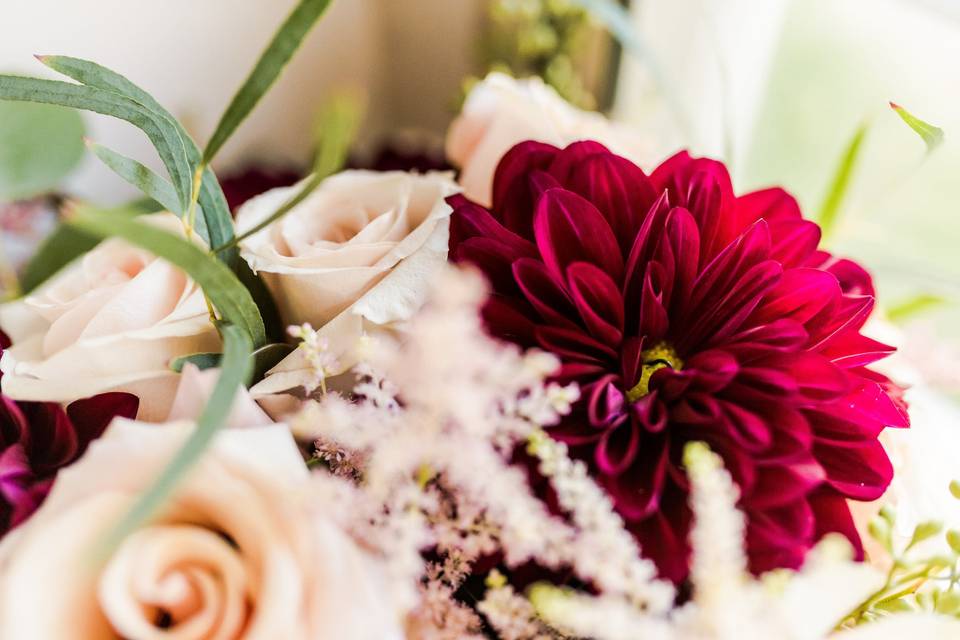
point(830, 209)
point(267, 357)
point(278, 53)
point(220, 285)
point(948, 603)
point(234, 373)
point(925, 531)
point(889, 514)
point(913, 307)
point(953, 539)
point(932, 136)
point(335, 130)
point(161, 130)
point(139, 176)
point(955, 489)
point(40, 144)
point(218, 225)
point(200, 360)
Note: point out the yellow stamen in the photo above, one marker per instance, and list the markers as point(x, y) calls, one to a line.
point(656, 358)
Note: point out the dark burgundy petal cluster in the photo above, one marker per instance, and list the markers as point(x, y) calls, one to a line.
point(685, 312)
point(37, 439)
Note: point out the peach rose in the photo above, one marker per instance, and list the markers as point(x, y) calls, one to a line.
point(110, 321)
point(238, 552)
point(194, 392)
point(501, 112)
point(355, 256)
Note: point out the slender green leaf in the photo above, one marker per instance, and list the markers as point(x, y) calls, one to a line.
point(216, 212)
point(235, 372)
point(40, 144)
point(932, 136)
point(278, 53)
point(220, 285)
point(140, 176)
point(336, 128)
point(200, 360)
point(267, 357)
point(67, 243)
point(162, 131)
point(276, 329)
point(914, 306)
point(837, 192)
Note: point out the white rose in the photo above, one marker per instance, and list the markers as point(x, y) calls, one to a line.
point(110, 321)
point(501, 112)
point(238, 552)
point(355, 256)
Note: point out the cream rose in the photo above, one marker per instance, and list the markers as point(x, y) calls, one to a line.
point(239, 552)
point(110, 321)
point(500, 112)
point(355, 256)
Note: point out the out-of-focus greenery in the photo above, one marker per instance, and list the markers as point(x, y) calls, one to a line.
point(39, 146)
point(839, 64)
point(544, 38)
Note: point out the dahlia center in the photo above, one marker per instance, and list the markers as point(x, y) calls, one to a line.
point(656, 358)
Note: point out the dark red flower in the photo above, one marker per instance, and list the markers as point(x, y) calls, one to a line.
point(37, 439)
point(688, 313)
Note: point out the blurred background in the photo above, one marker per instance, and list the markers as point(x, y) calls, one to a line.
point(779, 89)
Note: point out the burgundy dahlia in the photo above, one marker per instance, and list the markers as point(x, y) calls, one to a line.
point(688, 313)
point(37, 439)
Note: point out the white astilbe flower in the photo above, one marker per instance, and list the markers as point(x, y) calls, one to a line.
point(425, 449)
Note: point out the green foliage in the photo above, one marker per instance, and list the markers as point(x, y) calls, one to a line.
point(285, 42)
point(836, 194)
point(236, 369)
point(199, 360)
point(218, 223)
point(912, 307)
point(221, 286)
point(932, 136)
point(917, 581)
point(140, 176)
point(39, 146)
point(161, 130)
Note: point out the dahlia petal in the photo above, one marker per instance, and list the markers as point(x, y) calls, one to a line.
point(773, 205)
point(50, 441)
point(767, 340)
point(512, 199)
point(780, 484)
point(713, 369)
point(492, 258)
point(641, 252)
point(636, 492)
point(832, 515)
point(663, 538)
point(853, 279)
point(650, 412)
point(817, 378)
point(569, 229)
point(696, 408)
point(91, 416)
point(570, 160)
point(858, 470)
point(868, 401)
point(598, 301)
point(503, 319)
point(855, 350)
point(729, 314)
point(796, 241)
point(617, 449)
point(683, 238)
point(13, 424)
point(470, 220)
point(801, 295)
point(846, 318)
point(747, 429)
point(604, 402)
point(570, 343)
point(544, 293)
point(618, 188)
point(653, 319)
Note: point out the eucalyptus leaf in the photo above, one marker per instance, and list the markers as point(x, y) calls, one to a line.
point(221, 286)
point(200, 360)
point(932, 136)
point(278, 53)
point(218, 222)
point(235, 372)
point(269, 356)
point(162, 131)
point(840, 184)
point(40, 144)
point(140, 176)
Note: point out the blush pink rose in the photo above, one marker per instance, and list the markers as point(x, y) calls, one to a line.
point(238, 552)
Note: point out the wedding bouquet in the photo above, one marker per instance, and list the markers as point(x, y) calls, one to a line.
point(543, 394)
